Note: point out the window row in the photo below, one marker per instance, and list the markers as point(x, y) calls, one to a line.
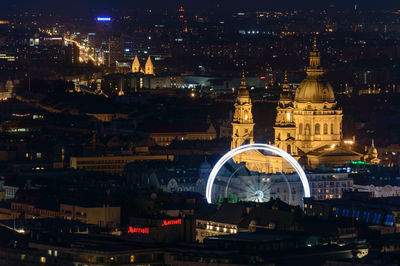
point(317, 129)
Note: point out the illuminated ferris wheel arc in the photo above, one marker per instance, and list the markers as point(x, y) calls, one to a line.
point(257, 146)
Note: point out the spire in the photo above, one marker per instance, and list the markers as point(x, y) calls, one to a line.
point(285, 97)
point(315, 44)
point(285, 83)
point(372, 143)
point(136, 65)
point(243, 92)
point(149, 68)
point(315, 61)
point(243, 81)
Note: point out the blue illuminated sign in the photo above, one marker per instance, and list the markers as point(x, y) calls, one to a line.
point(103, 19)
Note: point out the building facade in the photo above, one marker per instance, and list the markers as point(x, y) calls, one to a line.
point(112, 164)
point(308, 126)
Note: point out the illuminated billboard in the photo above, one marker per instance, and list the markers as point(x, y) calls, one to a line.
point(103, 19)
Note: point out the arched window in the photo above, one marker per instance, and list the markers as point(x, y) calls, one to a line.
point(325, 129)
point(301, 129)
point(289, 149)
point(307, 130)
point(317, 129)
point(331, 129)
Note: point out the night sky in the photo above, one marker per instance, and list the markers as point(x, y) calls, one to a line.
point(79, 6)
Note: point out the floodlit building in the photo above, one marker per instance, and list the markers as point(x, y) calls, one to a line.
point(136, 65)
point(148, 68)
point(307, 127)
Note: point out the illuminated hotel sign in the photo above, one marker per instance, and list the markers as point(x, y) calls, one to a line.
point(102, 19)
point(171, 222)
point(138, 230)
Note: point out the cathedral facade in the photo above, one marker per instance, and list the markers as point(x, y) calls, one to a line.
point(308, 126)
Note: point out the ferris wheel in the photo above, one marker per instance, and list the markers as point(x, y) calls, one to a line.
point(234, 182)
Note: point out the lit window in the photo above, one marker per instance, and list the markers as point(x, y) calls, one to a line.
point(43, 259)
point(132, 259)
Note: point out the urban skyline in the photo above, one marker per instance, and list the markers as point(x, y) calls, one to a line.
point(199, 133)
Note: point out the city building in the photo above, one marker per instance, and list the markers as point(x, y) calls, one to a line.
point(329, 185)
point(243, 133)
point(148, 68)
point(113, 164)
point(6, 90)
point(100, 215)
point(108, 117)
point(115, 50)
point(309, 127)
point(163, 134)
point(30, 211)
point(381, 214)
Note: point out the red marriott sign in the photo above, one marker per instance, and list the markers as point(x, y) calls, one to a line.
point(138, 230)
point(171, 222)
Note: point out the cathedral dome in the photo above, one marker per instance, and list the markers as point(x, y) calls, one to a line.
point(314, 89)
point(243, 92)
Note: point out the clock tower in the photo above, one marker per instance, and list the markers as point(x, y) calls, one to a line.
point(242, 124)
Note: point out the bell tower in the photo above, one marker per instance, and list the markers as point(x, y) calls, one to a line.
point(136, 65)
point(242, 125)
point(149, 68)
point(285, 128)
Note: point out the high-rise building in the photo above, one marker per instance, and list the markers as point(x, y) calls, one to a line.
point(72, 53)
point(92, 40)
point(115, 49)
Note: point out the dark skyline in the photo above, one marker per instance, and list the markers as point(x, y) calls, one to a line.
point(79, 7)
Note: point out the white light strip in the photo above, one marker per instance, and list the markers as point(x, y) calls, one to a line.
point(257, 146)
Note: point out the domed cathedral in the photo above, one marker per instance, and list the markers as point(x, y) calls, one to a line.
point(317, 118)
point(311, 125)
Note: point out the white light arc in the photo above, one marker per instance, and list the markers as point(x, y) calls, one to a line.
point(257, 146)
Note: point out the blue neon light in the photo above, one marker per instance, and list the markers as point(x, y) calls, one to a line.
point(103, 19)
point(389, 219)
point(368, 215)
